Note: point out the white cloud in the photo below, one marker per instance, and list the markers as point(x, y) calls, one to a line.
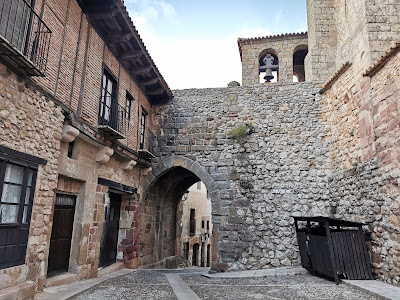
point(197, 62)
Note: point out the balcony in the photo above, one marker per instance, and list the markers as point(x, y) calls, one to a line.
point(112, 117)
point(147, 145)
point(24, 37)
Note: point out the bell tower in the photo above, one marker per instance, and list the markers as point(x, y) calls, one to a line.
point(271, 59)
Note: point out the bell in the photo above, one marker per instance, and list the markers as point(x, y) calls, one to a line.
point(268, 75)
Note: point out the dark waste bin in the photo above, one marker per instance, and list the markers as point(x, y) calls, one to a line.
point(333, 248)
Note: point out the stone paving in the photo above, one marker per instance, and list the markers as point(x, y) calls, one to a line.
point(153, 284)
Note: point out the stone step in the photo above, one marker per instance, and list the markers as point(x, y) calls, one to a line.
point(23, 291)
point(111, 268)
point(61, 279)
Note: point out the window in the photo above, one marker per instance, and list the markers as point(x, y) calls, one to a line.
point(199, 185)
point(192, 222)
point(70, 149)
point(186, 250)
point(202, 224)
point(17, 187)
point(128, 106)
point(107, 103)
point(208, 225)
point(142, 128)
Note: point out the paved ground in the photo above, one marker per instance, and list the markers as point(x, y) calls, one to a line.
point(180, 284)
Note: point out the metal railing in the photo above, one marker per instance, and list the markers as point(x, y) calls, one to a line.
point(112, 116)
point(25, 31)
point(149, 141)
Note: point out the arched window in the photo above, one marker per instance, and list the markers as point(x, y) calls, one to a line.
point(299, 54)
point(268, 66)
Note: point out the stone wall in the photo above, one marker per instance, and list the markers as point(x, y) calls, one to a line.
point(344, 30)
point(277, 169)
point(362, 119)
point(88, 223)
point(31, 124)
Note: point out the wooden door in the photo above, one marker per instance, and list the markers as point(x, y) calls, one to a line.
point(61, 235)
point(109, 241)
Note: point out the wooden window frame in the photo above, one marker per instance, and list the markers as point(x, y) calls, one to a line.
point(142, 138)
point(128, 108)
point(16, 158)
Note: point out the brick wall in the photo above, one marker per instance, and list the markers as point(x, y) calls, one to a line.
point(66, 67)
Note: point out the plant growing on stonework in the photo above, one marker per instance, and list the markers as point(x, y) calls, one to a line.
point(241, 131)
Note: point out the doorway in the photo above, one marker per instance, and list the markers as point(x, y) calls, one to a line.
point(195, 254)
point(61, 235)
point(109, 240)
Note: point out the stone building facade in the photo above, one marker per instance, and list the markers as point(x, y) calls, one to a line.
point(265, 151)
point(75, 140)
point(195, 226)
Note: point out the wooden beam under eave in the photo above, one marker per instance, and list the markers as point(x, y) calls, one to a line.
point(118, 38)
point(103, 15)
point(143, 70)
point(155, 92)
point(134, 54)
point(150, 81)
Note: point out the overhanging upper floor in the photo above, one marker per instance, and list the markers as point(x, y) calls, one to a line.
point(111, 20)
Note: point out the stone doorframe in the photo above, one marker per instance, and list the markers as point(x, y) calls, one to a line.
point(197, 169)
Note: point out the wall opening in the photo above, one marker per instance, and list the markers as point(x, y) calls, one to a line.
point(268, 66)
point(299, 55)
point(173, 211)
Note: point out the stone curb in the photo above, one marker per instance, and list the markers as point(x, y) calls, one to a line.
point(284, 271)
point(67, 291)
point(388, 289)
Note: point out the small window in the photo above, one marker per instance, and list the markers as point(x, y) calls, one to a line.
point(199, 185)
point(70, 149)
point(128, 105)
point(192, 222)
point(142, 128)
point(208, 225)
point(202, 224)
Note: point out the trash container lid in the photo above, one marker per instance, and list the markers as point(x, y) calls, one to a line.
point(331, 221)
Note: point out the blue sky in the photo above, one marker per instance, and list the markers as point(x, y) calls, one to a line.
point(194, 43)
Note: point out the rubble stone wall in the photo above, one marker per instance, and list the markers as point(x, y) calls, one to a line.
point(31, 124)
point(276, 169)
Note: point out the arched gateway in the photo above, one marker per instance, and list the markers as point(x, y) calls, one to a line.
point(163, 189)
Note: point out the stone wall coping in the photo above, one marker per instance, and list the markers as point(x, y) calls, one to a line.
point(371, 71)
point(335, 77)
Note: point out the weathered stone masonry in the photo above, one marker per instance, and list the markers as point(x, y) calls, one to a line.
point(260, 180)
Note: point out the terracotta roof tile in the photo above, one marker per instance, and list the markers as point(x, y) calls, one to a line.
point(382, 60)
point(335, 77)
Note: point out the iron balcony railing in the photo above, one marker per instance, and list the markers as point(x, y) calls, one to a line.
point(112, 116)
point(25, 31)
point(147, 144)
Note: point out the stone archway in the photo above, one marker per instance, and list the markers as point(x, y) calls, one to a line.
point(163, 189)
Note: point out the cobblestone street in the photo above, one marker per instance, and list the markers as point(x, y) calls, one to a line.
point(155, 284)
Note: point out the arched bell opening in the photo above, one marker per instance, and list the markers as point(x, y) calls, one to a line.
point(299, 55)
point(268, 66)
